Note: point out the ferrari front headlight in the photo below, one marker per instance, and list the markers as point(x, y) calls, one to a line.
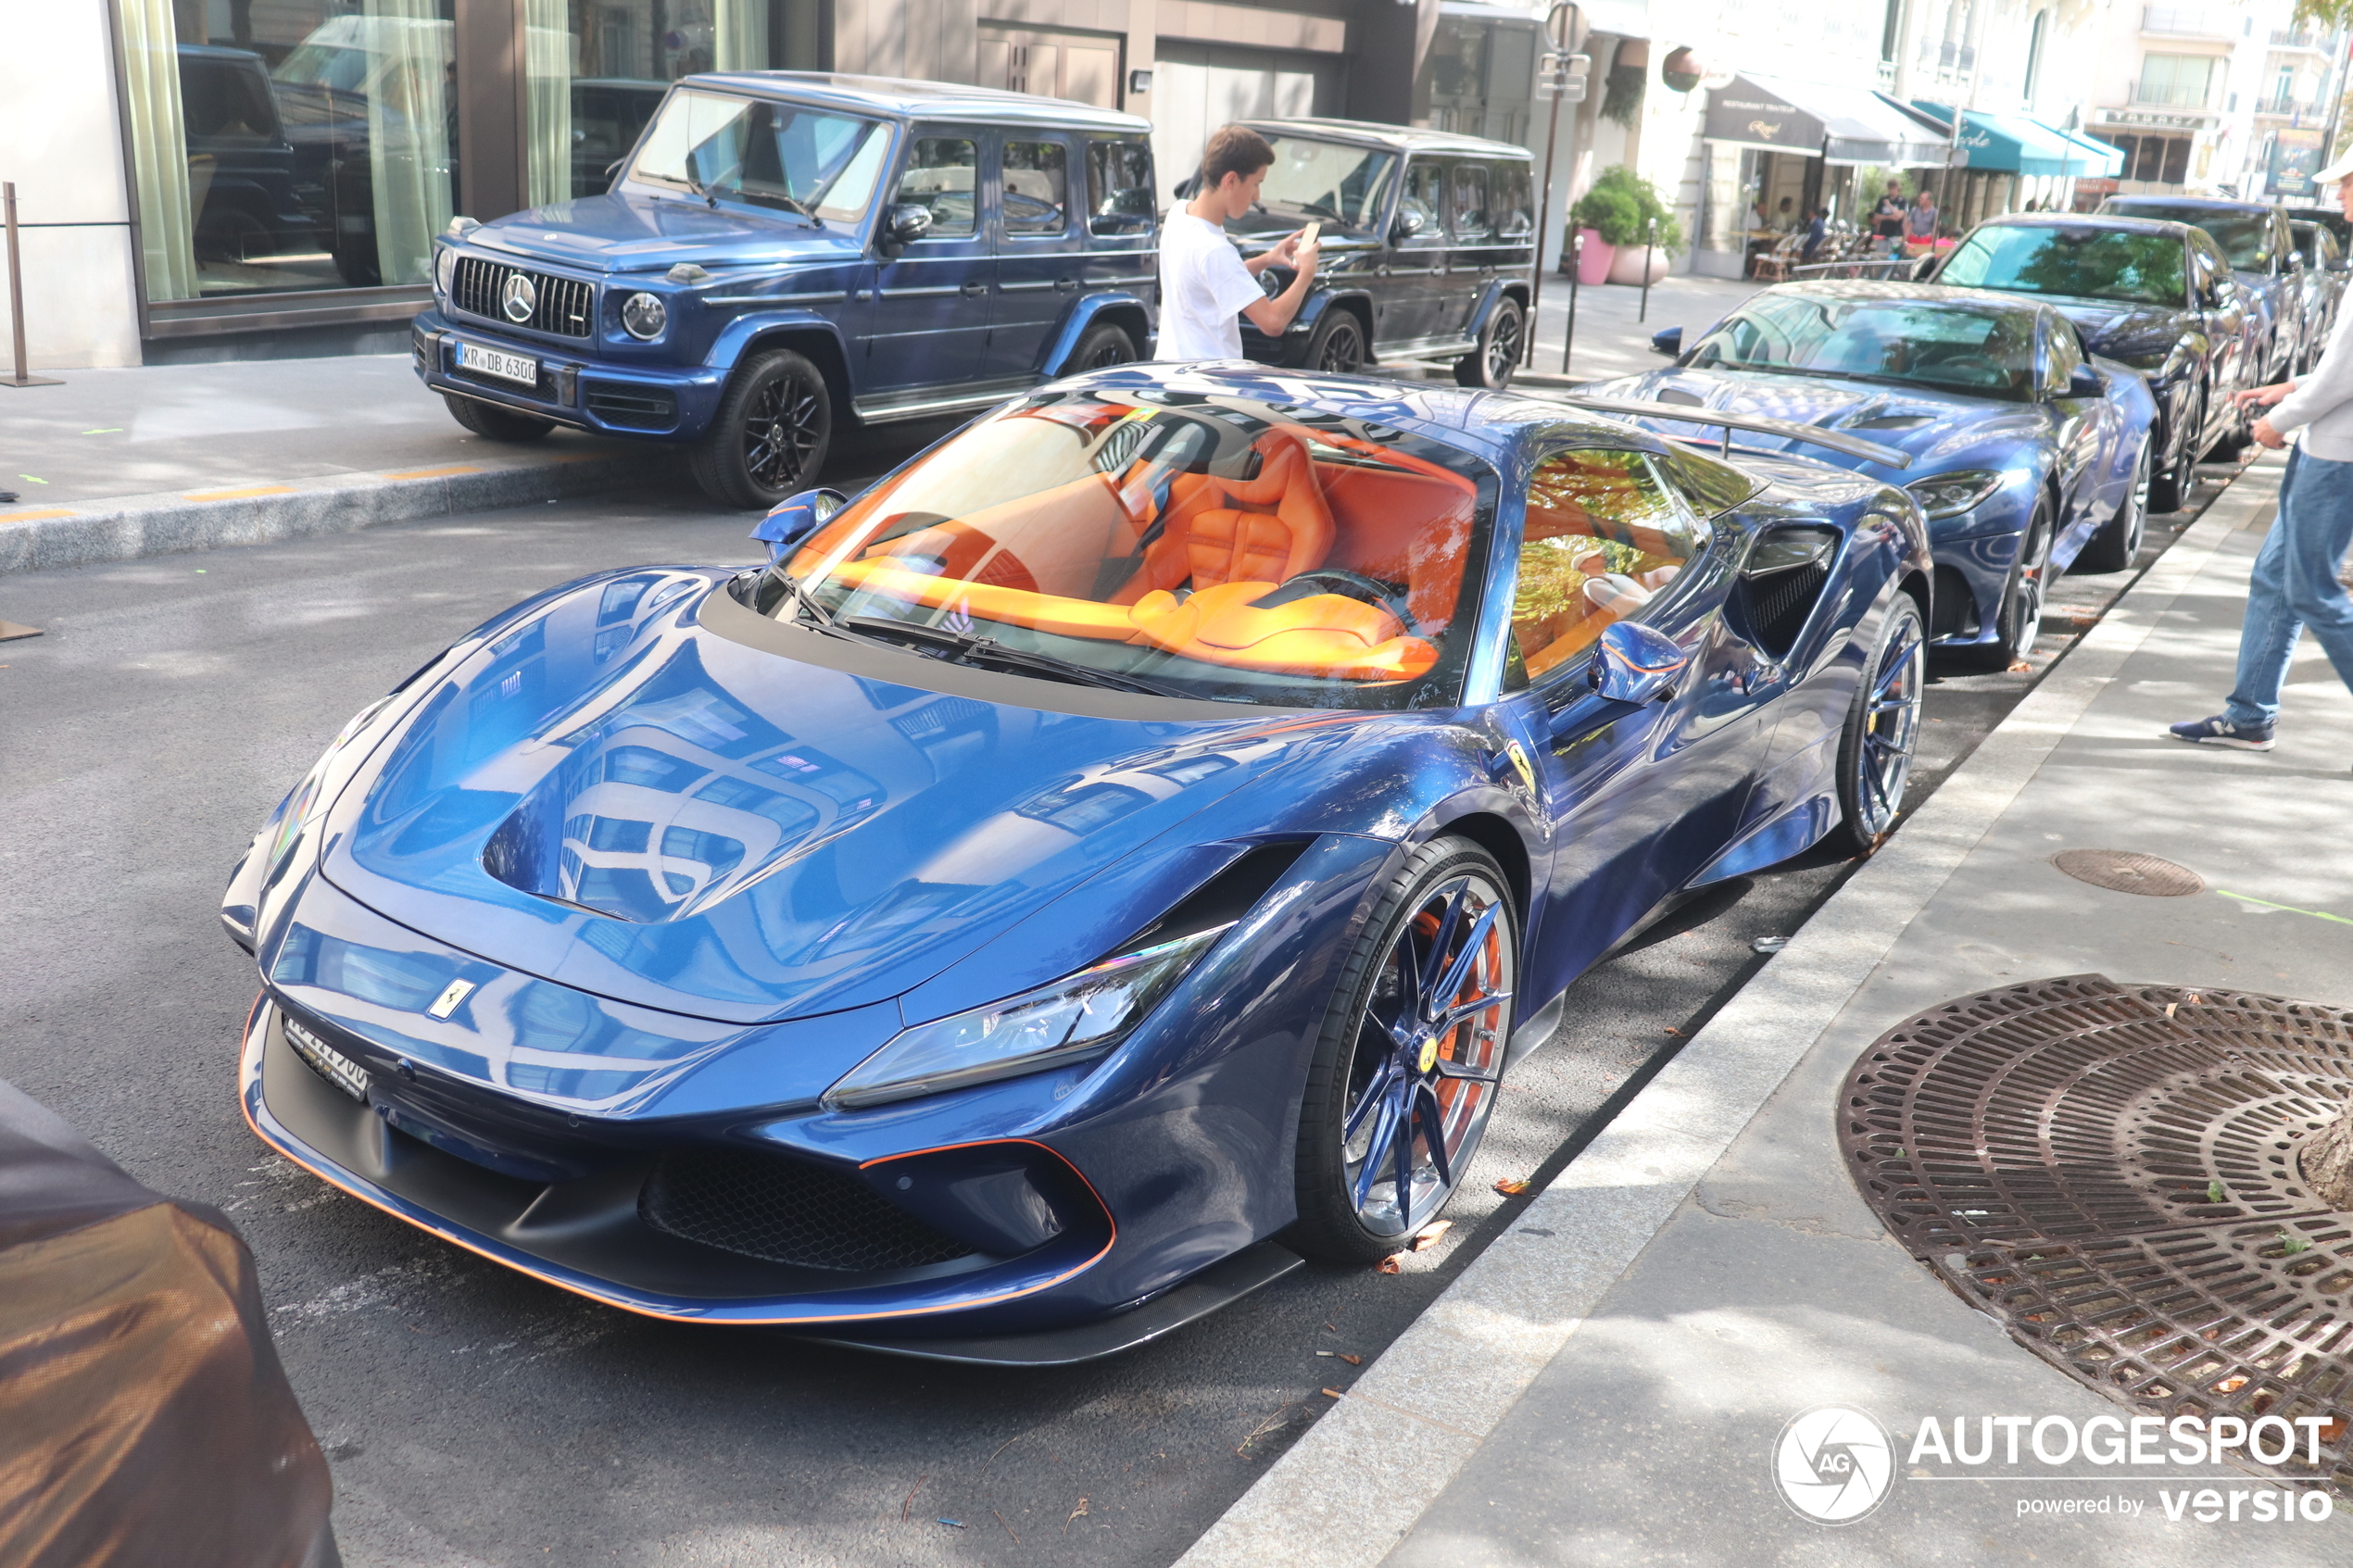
point(1075, 1018)
point(1950, 494)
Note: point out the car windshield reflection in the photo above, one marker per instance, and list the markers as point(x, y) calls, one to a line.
point(2084, 263)
point(1212, 548)
point(1954, 346)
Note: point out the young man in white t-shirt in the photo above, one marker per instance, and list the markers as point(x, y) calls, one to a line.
point(1206, 286)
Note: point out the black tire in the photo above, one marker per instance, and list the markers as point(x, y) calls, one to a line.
point(1337, 346)
point(2170, 485)
point(2019, 617)
point(769, 435)
point(2117, 543)
point(1447, 1078)
point(1500, 344)
point(494, 423)
point(1882, 727)
point(1104, 346)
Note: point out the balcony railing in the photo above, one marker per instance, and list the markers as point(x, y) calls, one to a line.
point(2186, 23)
point(2168, 95)
point(2288, 104)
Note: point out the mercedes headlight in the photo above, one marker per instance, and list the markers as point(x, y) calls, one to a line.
point(644, 314)
point(445, 265)
point(1950, 494)
point(1076, 1019)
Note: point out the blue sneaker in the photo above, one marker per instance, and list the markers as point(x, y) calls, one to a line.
point(2218, 731)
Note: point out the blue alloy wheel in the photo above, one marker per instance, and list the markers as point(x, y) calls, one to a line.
point(1406, 1075)
point(1883, 729)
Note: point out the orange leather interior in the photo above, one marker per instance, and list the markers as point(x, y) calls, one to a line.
point(1265, 530)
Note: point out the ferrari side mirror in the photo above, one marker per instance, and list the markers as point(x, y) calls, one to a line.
point(1667, 341)
point(1636, 663)
point(795, 518)
point(2085, 383)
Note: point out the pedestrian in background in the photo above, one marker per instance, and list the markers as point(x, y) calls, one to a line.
point(1205, 286)
point(1785, 217)
point(1887, 220)
point(1919, 224)
point(1817, 230)
point(2294, 583)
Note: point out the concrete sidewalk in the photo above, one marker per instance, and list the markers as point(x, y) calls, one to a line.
point(119, 463)
point(1606, 1383)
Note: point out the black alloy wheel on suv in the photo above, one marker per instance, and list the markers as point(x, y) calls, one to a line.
point(769, 435)
point(1500, 344)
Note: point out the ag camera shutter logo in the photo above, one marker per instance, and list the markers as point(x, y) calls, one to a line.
point(1833, 1464)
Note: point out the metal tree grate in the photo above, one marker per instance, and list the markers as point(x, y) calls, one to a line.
point(2111, 1170)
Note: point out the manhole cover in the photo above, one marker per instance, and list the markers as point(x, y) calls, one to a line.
point(2111, 1170)
point(2126, 871)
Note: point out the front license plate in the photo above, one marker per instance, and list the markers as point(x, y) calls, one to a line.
point(333, 1065)
point(517, 368)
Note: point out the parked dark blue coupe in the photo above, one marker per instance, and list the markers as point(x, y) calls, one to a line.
point(1120, 851)
point(2027, 457)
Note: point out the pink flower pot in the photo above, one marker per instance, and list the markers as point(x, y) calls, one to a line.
point(1627, 265)
point(1594, 262)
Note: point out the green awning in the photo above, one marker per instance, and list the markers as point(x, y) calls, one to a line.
point(2109, 162)
point(2011, 144)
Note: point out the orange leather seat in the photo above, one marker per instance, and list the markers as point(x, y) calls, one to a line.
point(1265, 530)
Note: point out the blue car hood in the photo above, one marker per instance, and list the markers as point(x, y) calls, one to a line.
point(641, 234)
point(1940, 431)
point(612, 797)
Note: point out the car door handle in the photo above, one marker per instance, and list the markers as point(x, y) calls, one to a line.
point(973, 288)
point(1065, 286)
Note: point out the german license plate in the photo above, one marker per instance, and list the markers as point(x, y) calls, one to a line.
point(332, 1064)
point(519, 369)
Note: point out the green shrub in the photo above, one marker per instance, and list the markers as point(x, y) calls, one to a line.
point(1620, 207)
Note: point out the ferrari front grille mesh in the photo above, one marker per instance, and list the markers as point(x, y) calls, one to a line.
point(2111, 1171)
point(785, 1212)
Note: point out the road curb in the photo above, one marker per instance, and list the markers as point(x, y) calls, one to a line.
point(128, 527)
point(1354, 1485)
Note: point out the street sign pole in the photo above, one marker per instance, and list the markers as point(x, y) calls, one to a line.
point(16, 298)
point(1556, 75)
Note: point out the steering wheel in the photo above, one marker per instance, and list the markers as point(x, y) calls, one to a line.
point(1356, 585)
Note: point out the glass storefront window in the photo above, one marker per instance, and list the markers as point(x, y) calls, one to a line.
point(596, 71)
point(302, 144)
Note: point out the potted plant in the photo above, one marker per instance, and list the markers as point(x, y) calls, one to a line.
point(1624, 211)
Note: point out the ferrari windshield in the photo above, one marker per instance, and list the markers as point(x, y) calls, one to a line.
point(767, 155)
point(1194, 545)
point(1330, 183)
point(1955, 345)
point(2141, 269)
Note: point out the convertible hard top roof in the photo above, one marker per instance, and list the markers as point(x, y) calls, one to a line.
point(921, 100)
point(1872, 288)
point(1397, 138)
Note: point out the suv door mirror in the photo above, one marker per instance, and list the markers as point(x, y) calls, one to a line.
point(909, 222)
point(1667, 341)
point(795, 518)
point(1409, 223)
point(2084, 382)
point(1636, 663)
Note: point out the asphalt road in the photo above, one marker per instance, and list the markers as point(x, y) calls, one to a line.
point(477, 1417)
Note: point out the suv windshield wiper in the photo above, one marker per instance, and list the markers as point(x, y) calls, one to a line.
point(688, 174)
point(967, 646)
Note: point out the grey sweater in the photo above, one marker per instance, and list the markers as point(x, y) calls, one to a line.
point(2323, 400)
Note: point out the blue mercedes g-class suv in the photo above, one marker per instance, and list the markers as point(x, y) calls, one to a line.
point(784, 250)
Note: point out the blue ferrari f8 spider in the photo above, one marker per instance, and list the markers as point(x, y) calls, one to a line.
point(1121, 851)
point(2028, 457)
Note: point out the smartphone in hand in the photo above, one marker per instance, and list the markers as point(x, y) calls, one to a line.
point(1307, 235)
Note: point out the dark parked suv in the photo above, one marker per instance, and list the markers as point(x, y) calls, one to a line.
point(2264, 258)
point(784, 250)
point(1428, 246)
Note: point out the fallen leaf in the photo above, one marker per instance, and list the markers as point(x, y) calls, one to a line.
point(2021, 668)
point(2214, 1191)
point(1431, 1234)
point(1352, 1361)
point(1389, 1265)
point(1332, 1393)
point(1676, 1033)
point(1511, 1188)
point(1078, 1512)
point(2230, 1384)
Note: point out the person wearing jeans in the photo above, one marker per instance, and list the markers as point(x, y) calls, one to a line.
point(2294, 584)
